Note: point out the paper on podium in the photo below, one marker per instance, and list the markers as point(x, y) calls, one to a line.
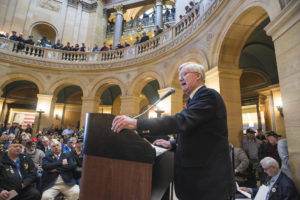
point(262, 192)
point(159, 150)
point(246, 194)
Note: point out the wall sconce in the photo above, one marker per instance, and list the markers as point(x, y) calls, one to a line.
point(280, 109)
point(56, 117)
point(40, 117)
point(158, 112)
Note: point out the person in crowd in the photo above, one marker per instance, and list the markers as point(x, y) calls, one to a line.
point(17, 172)
point(8, 129)
point(11, 138)
point(69, 146)
point(144, 38)
point(202, 159)
point(46, 145)
point(260, 135)
point(38, 51)
point(44, 41)
point(36, 156)
point(279, 185)
point(173, 11)
point(251, 146)
point(167, 15)
point(153, 16)
point(39, 144)
point(269, 149)
point(111, 47)
point(130, 23)
point(58, 174)
point(76, 48)
point(284, 156)
point(180, 17)
point(3, 144)
point(14, 36)
point(29, 42)
point(119, 46)
point(104, 48)
point(77, 154)
point(158, 30)
point(25, 139)
point(137, 40)
point(68, 47)
point(58, 45)
point(28, 129)
point(126, 44)
point(48, 44)
point(17, 130)
point(145, 19)
point(80, 133)
point(187, 9)
point(68, 131)
point(167, 26)
point(192, 4)
point(83, 47)
point(111, 25)
point(2, 128)
point(241, 163)
point(96, 48)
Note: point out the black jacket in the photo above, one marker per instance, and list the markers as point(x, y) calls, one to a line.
point(66, 171)
point(283, 189)
point(202, 162)
point(9, 175)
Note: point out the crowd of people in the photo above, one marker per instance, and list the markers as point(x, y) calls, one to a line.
point(40, 167)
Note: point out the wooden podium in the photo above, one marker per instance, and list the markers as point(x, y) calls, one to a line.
point(121, 166)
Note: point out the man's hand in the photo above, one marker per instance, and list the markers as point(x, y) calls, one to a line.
point(163, 143)
point(245, 189)
point(123, 122)
point(236, 171)
point(4, 194)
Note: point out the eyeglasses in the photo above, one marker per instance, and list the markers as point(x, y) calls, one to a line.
point(183, 74)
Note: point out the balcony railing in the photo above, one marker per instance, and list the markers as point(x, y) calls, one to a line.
point(165, 41)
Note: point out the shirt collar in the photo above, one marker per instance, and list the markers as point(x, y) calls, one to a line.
point(195, 90)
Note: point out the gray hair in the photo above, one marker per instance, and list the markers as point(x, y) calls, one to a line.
point(269, 162)
point(194, 67)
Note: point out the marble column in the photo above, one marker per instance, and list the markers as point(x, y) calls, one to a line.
point(172, 104)
point(2, 105)
point(77, 23)
point(45, 104)
point(159, 13)
point(118, 25)
point(227, 82)
point(130, 105)
point(284, 31)
point(89, 105)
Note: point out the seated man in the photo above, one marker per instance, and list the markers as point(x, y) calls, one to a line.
point(17, 172)
point(58, 168)
point(279, 185)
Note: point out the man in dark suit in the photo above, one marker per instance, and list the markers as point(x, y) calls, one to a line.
point(202, 162)
point(58, 168)
point(279, 185)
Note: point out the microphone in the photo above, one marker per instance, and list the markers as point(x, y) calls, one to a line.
point(170, 92)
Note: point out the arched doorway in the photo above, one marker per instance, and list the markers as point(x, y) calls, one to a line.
point(41, 30)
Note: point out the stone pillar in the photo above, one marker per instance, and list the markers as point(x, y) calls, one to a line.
point(2, 105)
point(45, 104)
point(172, 104)
point(278, 117)
point(103, 19)
point(77, 23)
point(130, 105)
point(118, 25)
point(258, 115)
point(89, 105)
point(159, 13)
point(227, 82)
point(284, 31)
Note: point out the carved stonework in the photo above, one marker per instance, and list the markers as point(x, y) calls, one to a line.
point(119, 9)
point(50, 5)
point(159, 2)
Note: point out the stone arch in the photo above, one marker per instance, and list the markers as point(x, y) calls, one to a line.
point(99, 85)
point(64, 82)
point(20, 76)
point(47, 28)
point(141, 80)
point(238, 27)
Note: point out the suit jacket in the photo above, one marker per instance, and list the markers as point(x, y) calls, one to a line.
point(283, 189)
point(202, 161)
point(66, 171)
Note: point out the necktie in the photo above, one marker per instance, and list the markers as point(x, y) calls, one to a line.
point(187, 103)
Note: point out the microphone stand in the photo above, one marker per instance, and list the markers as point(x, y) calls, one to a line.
point(156, 102)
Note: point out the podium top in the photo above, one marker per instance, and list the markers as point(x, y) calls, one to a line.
point(100, 140)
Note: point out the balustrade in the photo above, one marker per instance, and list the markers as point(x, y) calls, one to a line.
point(194, 17)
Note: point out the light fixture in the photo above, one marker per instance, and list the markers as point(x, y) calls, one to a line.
point(56, 117)
point(40, 117)
point(280, 110)
point(158, 111)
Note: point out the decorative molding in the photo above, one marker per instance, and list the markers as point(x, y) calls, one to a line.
point(52, 5)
